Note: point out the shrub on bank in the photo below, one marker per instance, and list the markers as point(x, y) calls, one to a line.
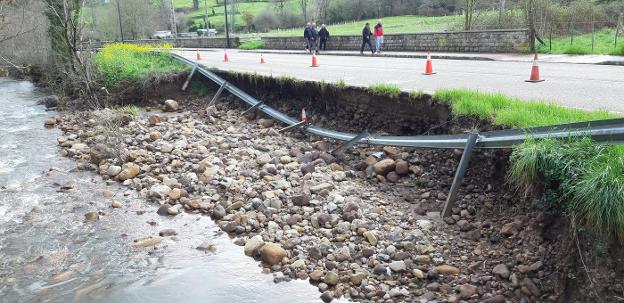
point(578, 177)
point(120, 64)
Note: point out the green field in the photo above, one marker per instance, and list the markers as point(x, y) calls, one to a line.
point(392, 25)
point(217, 20)
point(604, 44)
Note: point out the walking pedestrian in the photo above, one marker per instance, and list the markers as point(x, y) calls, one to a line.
point(379, 36)
point(314, 38)
point(323, 36)
point(366, 34)
point(306, 36)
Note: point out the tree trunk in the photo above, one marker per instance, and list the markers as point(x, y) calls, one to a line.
point(195, 4)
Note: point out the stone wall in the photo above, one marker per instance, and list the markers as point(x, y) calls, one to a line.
point(186, 42)
point(491, 41)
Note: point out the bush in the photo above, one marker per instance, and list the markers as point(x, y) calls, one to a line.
point(265, 21)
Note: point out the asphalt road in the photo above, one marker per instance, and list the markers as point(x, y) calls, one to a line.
point(585, 86)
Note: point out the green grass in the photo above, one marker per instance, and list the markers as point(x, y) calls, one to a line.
point(392, 25)
point(251, 44)
point(341, 84)
point(512, 112)
point(604, 43)
point(119, 65)
point(131, 110)
point(385, 89)
point(578, 177)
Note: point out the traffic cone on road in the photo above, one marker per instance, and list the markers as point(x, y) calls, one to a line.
point(225, 56)
point(429, 66)
point(198, 55)
point(262, 59)
point(314, 60)
point(535, 76)
point(304, 117)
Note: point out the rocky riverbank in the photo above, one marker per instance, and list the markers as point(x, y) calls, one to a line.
point(361, 226)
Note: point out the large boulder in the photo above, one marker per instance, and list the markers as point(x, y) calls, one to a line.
point(100, 152)
point(171, 105)
point(272, 253)
point(49, 101)
point(253, 244)
point(129, 171)
point(384, 166)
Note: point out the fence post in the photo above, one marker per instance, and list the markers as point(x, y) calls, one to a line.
point(617, 29)
point(550, 37)
point(571, 32)
point(593, 32)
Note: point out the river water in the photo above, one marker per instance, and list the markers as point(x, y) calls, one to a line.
point(49, 253)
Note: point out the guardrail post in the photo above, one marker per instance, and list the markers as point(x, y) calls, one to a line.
point(216, 96)
point(459, 174)
point(190, 76)
point(342, 148)
point(252, 108)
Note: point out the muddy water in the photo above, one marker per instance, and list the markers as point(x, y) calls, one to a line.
point(49, 253)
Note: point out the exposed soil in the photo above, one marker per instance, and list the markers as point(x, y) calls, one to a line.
point(496, 247)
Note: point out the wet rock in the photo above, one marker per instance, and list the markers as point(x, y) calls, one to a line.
point(92, 216)
point(113, 170)
point(502, 271)
point(357, 278)
point(272, 253)
point(49, 101)
point(49, 122)
point(130, 171)
point(154, 136)
point(418, 273)
point(390, 150)
point(528, 283)
point(116, 204)
point(316, 275)
point(101, 152)
point(163, 210)
point(167, 232)
point(206, 247)
point(175, 194)
point(384, 166)
point(512, 228)
point(218, 212)
point(371, 238)
point(150, 241)
point(327, 296)
point(253, 244)
point(392, 177)
point(159, 191)
point(467, 290)
point(495, 299)
point(171, 105)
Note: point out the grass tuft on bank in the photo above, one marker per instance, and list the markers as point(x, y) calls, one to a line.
point(511, 112)
point(385, 89)
point(251, 44)
point(579, 178)
point(120, 64)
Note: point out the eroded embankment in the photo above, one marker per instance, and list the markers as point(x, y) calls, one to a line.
point(356, 225)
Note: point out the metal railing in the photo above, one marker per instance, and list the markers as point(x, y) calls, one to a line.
point(603, 131)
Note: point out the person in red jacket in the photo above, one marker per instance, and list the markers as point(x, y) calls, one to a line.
point(379, 36)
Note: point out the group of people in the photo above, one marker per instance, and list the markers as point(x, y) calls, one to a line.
point(316, 40)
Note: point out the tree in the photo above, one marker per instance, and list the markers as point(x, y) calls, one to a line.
point(469, 9)
point(195, 4)
point(304, 8)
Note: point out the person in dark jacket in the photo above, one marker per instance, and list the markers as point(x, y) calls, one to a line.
point(306, 36)
point(323, 36)
point(366, 35)
point(314, 38)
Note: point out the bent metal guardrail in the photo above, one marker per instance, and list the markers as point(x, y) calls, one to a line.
point(603, 131)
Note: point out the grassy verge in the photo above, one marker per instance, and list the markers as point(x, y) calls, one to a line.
point(604, 43)
point(251, 44)
point(579, 178)
point(120, 65)
point(385, 89)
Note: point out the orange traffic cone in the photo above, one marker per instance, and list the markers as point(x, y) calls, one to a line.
point(198, 55)
point(225, 56)
point(262, 59)
point(304, 117)
point(314, 61)
point(535, 76)
point(429, 66)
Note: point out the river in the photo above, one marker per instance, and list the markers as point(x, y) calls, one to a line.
point(49, 253)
